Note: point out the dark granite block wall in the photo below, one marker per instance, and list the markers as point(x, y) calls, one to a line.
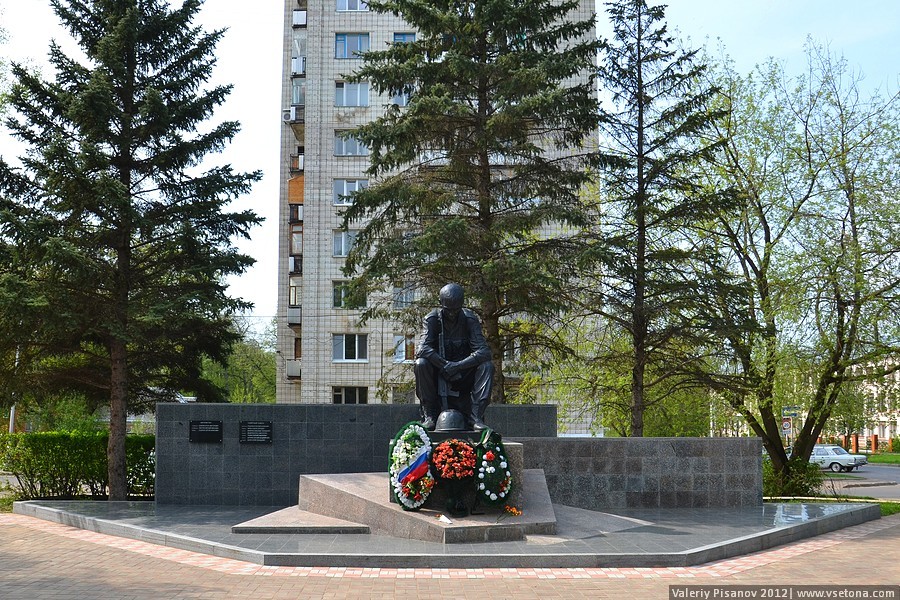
point(306, 438)
point(592, 473)
point(610, 473)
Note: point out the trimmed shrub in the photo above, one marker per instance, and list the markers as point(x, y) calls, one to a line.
point(65, 464)
point(802, 479)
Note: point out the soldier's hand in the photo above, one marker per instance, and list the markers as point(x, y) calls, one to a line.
point(451, 371)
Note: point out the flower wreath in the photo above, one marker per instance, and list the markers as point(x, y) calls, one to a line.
point(454, 459)
point(494, 480)
point(411, 478)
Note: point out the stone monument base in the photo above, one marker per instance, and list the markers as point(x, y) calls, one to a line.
point(359, 498)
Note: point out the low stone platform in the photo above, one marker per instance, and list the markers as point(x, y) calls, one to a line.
point(363, 498)
point(584, 539)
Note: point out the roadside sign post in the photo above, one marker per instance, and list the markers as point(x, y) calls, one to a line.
point(786, 426)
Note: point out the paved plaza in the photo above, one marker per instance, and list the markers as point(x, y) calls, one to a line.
point(44, 560)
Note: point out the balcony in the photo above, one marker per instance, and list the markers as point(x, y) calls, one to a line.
point(299, 17)
point(292, 368)
point(295, 117)
point(294, 315)
point(293, 114)
point(296, 265)
point(297, 163)
point(298, 66)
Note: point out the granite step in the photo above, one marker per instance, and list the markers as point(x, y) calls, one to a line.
point(364, 497)
point(294, 520)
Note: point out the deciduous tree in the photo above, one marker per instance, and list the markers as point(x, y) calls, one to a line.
point(817, 240)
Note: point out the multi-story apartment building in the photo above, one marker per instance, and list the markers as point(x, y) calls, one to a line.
point(325, 355)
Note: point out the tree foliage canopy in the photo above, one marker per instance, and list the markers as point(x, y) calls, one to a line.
point(816, 240)
point(647, 273)
point(114, 241)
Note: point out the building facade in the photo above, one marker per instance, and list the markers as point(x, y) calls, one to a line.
point(325, 355)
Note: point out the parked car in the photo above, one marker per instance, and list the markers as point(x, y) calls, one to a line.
point(830, 456)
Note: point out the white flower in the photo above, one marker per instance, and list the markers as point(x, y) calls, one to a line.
point(503, 465)
point(481, 470)
point(503, 494)
point(493, 496)
point(487, 493)
point(481, 476)
point(480, 486)
point(508, 474)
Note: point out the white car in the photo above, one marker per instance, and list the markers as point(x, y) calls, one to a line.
point(829, 456)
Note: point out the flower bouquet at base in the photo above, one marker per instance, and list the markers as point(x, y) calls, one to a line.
point(493, 480)
point(454, 463)
point(410, 473)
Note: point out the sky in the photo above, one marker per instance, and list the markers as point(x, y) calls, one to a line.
point(865, 32)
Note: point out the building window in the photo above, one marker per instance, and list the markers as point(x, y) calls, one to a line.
point(343, 241)
point(404, 295)
point(295, 287)
point(352, 5)
point(298, 345)
point(404, 348)
point(402, 99)
point(298, 91)
point(347, 145)
point(339, 291)
point(345, 188)
point(351, 94)
point(350, 45)
point(404, 38)
point(403, 395)
point(350, 347)
point(296, 239)
point(512, 351)
point(350, 395)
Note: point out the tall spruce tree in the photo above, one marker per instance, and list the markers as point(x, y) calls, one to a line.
point(115, 243)
point(477, 177)
point(652, 268)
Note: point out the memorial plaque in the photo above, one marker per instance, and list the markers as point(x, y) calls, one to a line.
point(206, 432)
point(256, 432)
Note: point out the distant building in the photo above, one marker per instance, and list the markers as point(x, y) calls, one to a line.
point(325, 356)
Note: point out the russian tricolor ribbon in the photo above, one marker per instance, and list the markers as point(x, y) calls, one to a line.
point(416, 469)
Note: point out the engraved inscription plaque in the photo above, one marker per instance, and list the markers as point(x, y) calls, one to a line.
point(205, 432)
point(256, 432)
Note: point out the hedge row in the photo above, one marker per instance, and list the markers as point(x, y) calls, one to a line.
point(71, 464)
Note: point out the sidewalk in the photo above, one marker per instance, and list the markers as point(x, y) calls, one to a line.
point(40, 560)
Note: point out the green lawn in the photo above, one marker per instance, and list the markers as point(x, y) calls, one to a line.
point(892, 458)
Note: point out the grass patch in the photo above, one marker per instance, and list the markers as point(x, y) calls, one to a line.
point(6, 503)
point(889, 508)
point(842, 476)
point(892, 458)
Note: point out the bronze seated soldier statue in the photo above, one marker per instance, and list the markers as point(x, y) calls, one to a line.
point(453, 362)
